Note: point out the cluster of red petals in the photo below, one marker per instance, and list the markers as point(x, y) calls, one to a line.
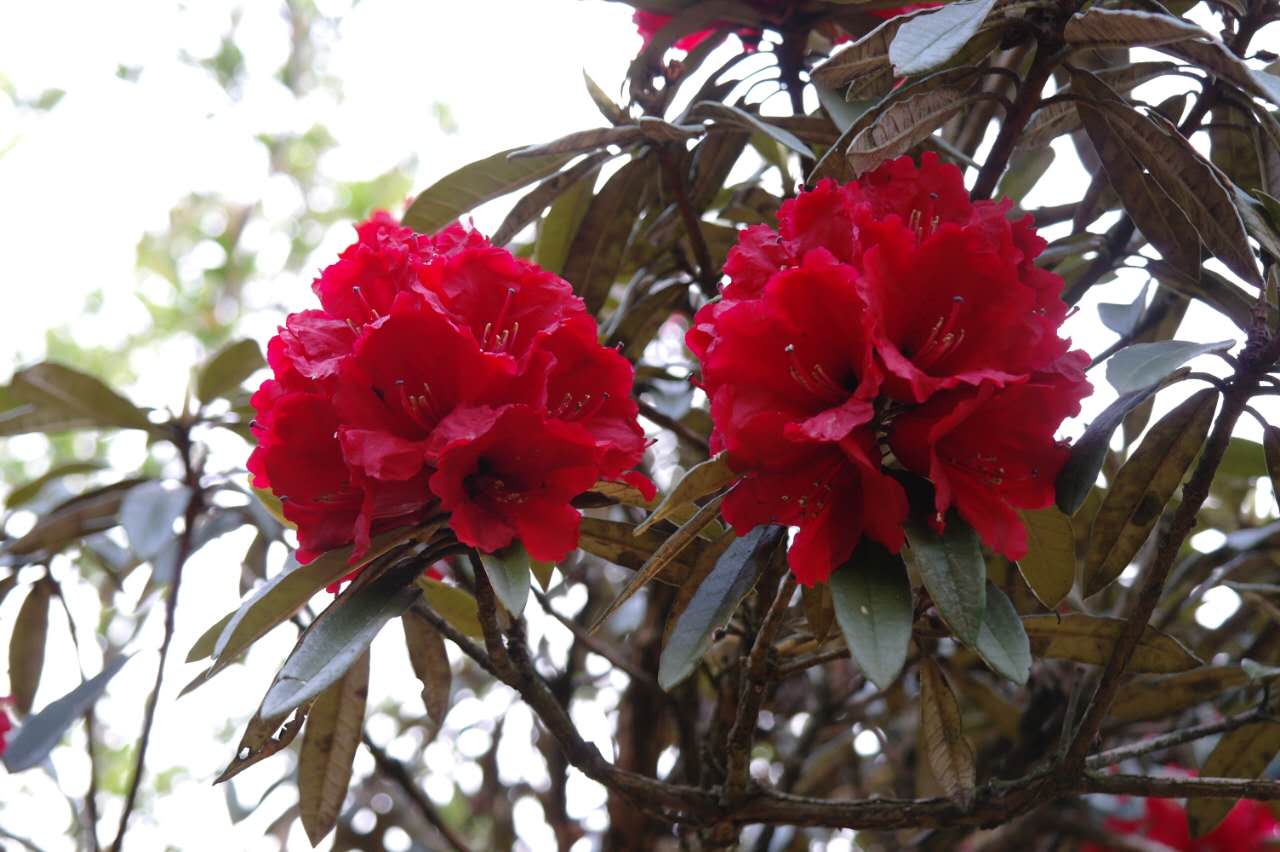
point(1249, 827)
point(648, 23)
point(6, 724)
point(891, 318)
point(441, 372)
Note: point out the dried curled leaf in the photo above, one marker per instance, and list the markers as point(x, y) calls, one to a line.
point(942, 734)
point(328, 748)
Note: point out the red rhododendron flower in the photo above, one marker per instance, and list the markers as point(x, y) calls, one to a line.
point(1248, 827)
point(442, 372)
point(6, 724)
point(890, 318)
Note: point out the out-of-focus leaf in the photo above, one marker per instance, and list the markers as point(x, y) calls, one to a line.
point(1143, 486)
point(1271, 450)
point(508, 573)
point(475, 183)
point(453, 605)
point(50, 397)
point(1079, 474)
point(147, 515)
point(1191, 183)
point(329, 746)
point(430, 663)
point(819, 610)
point(340, 634)
point(1050, 564)
point(26, 646)
point(228, 369)
point(1091, 639)
point(603, 102)
point(596, 251)
point(1143, 364)
point(942, 735)
point(1157, 697)
point(1243, 753)
point(927, 41)
point(1025, 169)
point(24, 494)
point(39, 733)
point(1121, 317)
point(634, 327)
point(701, 480)
point(91, 512)
point(954, 573)
point(1002, 642)
point(871, 596)
point(713, 604)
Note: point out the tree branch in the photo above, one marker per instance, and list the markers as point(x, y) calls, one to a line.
point(399, 774)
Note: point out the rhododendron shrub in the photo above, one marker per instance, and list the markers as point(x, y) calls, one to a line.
point(441, 374)
point(890, 329)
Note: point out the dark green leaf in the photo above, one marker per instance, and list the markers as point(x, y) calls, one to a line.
point(954, 573)
point(596, 252)
point(1002, 642)
point(508, 573)
point(871, 596)
point(50, 397)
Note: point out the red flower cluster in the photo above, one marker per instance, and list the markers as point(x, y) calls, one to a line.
point(1249, 827)
point(648, 23)
point(441, 373)
point(6, 724)
point(888, 319)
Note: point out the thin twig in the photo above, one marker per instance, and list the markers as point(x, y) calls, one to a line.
point(1170, 740)
point(399, 774)
point(683, 432)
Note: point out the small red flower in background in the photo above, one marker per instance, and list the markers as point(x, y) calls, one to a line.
point(441, 373)
point(6, 724)
point(1249, 827)
point(890, 320)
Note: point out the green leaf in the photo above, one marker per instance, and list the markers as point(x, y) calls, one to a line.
point(1025, 170)
point(927, 41)
point(1142, 487)
point(1080, 472)
point(508, 573)
point(871, 596)
point(1143, 364)
point(228, 369)
point(1050, 564)
point(27, 646)
point(531, 205)
point(339, 636)
point(328, 748)
point(29, 491)
point(49, 397)
point(715, 601)
point(474, 184)
point(1243, 753)
point(453, 605)
point(147, 515)
point(90, 512)
point(561, 224)
point(1091, 639)
point(954, 573)
point(751, 121)
point(38, 734)
point(203, 646)
point(1002, 641)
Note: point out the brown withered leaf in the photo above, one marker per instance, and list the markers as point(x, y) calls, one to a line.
point(1242, 753)
point(949, 754)
point(328, 748)
point(430, 661)
point(27, 645)
point(904, 125)
point(1091, 639)
point(1157, 697)
point(1050, 564)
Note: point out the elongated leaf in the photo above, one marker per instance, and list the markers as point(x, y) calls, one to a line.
point(340, 634)
point(904, 125)
point(39, 733)
point(751, 121)
point(329, 746)
point(715, 601)
point(147, 515)
point(1048, 123)
point(90, 512)
point(454, 605)
point(27, 645)
point(1143, 486)
point(603, 102)
point(1195, 187)
point(582, 140)
point(1050, 564)
point(263, 738)
point(927, 41)
point(666, 552)
point(430, 661)
point(228, 368)
point(54, 397)
point(1101, 27)
point(614, 541)
point(871, 596)
point(865, 63)
point(596, 252)
point(508, 573)
point(24, 494)
point(1143, 364)
point(283, 595)
point(701, 480)
point(819, 610)
point(1091, 639)
point(560, 226)
point(203, 647)
point(941, 733)
point(531, 205)
point(474, 184)
point(1025, 170)
point(1142, 699)
point(1002, 642)
point(1216, 58)
point(1271, 450)
point(1123, 317)
point(1243, 753)
point(1080, 472)
point(954, 573)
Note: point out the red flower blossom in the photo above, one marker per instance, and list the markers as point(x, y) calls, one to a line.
point(1248, 827)
point(890, 314)
point(6, 724)
point(431, 352)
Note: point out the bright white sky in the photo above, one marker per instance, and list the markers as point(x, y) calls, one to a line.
point(81, 185)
